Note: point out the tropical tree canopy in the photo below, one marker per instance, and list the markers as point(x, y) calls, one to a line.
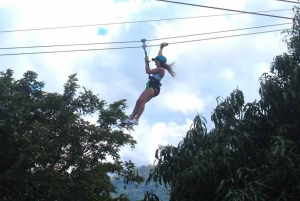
point(49, 152)
point(253, 153)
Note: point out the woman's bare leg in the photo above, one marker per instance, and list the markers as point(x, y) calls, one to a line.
point(134, 111)
point(140, 103)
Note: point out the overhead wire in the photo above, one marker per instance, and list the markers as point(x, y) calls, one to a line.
point(122, 42)
point(113, 48)
point(214, 32)
point(211, 7)
point(65, 45)
point(289, 1)
point(239, 12)
point(220, 37)
point(130, 22)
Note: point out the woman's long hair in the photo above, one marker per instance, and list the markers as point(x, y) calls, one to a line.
point(170, 68)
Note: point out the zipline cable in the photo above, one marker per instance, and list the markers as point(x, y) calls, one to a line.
point(130, 22)
point(46, 46)
point(113, 48)
point(289, 1)
point(214, 32)
point(64, 45)
point(254, 13)
point(228, 36)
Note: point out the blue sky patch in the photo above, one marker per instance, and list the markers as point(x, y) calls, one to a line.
point(102, 31)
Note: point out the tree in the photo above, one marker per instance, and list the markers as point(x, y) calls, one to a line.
point(49, 152)
point(253, 153)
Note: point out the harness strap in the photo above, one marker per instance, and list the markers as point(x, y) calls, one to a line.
point(153, 81)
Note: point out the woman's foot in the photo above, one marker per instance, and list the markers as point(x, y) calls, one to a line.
point(134, 121)
point(127, 121)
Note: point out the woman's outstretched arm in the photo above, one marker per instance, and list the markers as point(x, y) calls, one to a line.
point(160, 50)
point(162, 45)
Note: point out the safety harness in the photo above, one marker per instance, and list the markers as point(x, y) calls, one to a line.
point(152, 82)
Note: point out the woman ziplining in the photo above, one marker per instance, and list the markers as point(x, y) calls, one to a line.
point(153, 84)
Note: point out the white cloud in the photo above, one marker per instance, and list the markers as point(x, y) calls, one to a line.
point(184, 102)
point(228, 74)
point(261, 68)
point(149, 137)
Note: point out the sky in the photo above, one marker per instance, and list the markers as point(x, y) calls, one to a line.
point(205, 69)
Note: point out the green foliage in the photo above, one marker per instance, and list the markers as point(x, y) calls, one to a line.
point(49, 152)
point(138, 192)
point(253, 153)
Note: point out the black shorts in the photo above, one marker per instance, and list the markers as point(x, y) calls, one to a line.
point(155, 87)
